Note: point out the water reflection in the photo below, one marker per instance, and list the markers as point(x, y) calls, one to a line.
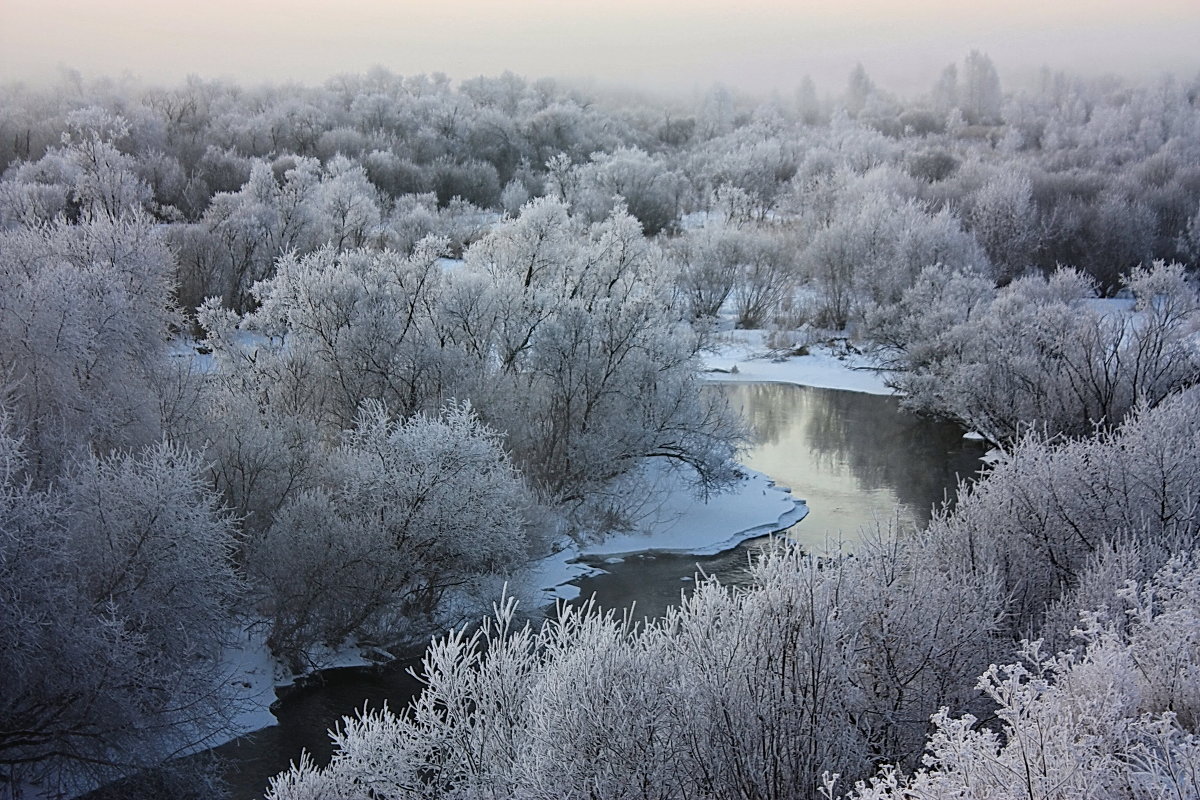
point(854, 457)
point(857, 459)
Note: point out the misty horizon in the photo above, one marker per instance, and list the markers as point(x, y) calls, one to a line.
point(669, 48)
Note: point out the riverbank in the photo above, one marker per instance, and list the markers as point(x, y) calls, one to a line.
point(745, 356)
point(677, 521)
point(755, 507)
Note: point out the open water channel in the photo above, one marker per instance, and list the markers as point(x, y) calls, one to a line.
point(857, 459)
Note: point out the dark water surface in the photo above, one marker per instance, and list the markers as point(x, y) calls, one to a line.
point(306, 716)
point(855, 458)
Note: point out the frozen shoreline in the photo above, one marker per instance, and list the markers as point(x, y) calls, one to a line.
point(679, 523)
point(746, 351)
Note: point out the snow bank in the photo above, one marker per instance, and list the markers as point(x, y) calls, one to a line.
point(677, 522)
point(823, 368)
point(549, 579)
point(683, 523)
point(254, 676)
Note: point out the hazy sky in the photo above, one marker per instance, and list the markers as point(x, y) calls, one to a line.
point(752, 44)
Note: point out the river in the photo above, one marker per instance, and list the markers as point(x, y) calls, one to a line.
point(857, 459)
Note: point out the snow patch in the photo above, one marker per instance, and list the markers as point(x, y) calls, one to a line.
point(550, 578)
point(253, 676)
point(678, 522)
point(992, 457)
point(683, 523)
point(743, 355)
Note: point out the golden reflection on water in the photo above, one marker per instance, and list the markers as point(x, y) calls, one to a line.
point(857, 459)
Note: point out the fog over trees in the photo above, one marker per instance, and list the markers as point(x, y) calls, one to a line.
point(337, 361)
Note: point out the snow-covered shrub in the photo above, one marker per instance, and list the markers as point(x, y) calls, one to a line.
point(1051, 510)
point(400, 513)
point(1040, 354)
point(116, 594)
point(1115, 718)
point(925, 629)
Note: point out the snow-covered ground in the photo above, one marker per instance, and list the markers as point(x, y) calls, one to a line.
point(745, 356)
point(254, 675)
point(678, 522)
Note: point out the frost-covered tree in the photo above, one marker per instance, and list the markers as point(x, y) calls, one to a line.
point(32, 193)
point(1040, 353)
point(1003, 218)
point(979, 95)
point(758, 160)
point(596, 363)
point(336, 329)
point(118, 588)
point(807, 103)
point(766, 275)
point(874, 247)
point(88, 174)
point(859, 90)
point(1113, 717)
point(347, 211)
point(399, 514)
point(474, 181)
point(648, 190)
point(259, 456)
point(242, 233)
point(925, 628)
point(84, 316)
point(413, 217)
point(710, 268)
point(945, 91)
point(366, 531)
